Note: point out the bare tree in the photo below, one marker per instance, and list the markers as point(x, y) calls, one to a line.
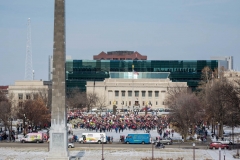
point(6, 112)
point(91, 100)
point(101, 102)
point(75, 98)
point(186, 109)
point(220, 99)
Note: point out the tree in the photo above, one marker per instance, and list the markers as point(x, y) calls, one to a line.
point(91, 100)
point(186, 109)
point(35, 111)
point(6, 112)
point(220, 100)
point(75, 98)
point(101, 102)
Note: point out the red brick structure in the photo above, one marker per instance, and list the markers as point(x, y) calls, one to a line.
point(4, 89)
point(119, 55)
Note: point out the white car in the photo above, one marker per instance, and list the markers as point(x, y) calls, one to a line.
point(226, 141)
point(70, 145)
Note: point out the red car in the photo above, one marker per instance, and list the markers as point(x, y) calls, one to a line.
point(216, 145)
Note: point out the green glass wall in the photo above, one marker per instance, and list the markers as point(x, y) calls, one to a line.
point(78, 72)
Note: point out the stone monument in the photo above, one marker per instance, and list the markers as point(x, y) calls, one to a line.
point(58, 147)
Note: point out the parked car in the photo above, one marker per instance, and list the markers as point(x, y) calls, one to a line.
point(167, 141)
point(141, 138)
point(226, 141)
point(70, 145)
point(32, 138)
point(216, 145)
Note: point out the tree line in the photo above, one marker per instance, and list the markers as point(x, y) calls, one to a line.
point(215, 103)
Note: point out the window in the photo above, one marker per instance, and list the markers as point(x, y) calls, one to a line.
point(122, 103)
point(20, 96)
point(136, 93)
point(156, 103)
point(129, 103)
point(149, 93)
point(156, 93)
point(28, 96)
point(123, 93)
point(143, 93)
point(163, 91)
point(163, 103)
point(143, 103)
point(116, 93)
point(116, 102)
point(110, 102)
point(129, 93)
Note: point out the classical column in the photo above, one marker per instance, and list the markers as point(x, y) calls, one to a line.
point(58, 148)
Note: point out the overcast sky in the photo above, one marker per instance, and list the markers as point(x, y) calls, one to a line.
point(160, 29)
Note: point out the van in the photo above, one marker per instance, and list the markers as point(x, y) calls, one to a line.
point(93, 138)
point(140, 138)
point(32, 138)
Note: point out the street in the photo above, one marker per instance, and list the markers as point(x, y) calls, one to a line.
point(113, 145)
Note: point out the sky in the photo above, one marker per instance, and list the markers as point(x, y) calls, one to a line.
point(160, 29)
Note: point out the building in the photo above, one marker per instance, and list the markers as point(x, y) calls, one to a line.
point(4, 90)
point(25, 90)
point(130, 90)
point(78, 72)
point(119, 55)
point(224, 61)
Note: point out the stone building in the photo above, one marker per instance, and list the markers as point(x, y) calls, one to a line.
point(24, 90)
point(133, 92)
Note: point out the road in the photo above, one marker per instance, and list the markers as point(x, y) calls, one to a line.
point(113, 145)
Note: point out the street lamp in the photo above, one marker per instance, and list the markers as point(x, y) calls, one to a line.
point(24, 117)
point(193, 151)
point(212, 125)
point(224, 154)
point(237, 146)
point(152, 149)
point(10, 132)
point(219, 153)
point(102, 138)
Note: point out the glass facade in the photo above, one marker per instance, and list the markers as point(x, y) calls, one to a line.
point(78, 72)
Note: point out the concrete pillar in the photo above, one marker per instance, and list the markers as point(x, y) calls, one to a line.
point(58, 147)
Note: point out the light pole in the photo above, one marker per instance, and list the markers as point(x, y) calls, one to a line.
point(10, 131)
point(237, 146)
point(102, 138)
point(24, 117)
point(152, 149)
point(193, 151)
point(224, 154)
point(219, 153)
point(212, 126)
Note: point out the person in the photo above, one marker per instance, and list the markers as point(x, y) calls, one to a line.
point(108, 139)
point(217, 138)
point(159, 145)
point(111, 139)
point(84, 138)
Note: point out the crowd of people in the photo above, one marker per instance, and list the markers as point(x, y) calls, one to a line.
point(118, 123)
